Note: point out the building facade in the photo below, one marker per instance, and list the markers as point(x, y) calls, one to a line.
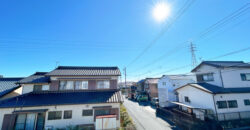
point(166, 86)
point(222, 90)
point(69, 96)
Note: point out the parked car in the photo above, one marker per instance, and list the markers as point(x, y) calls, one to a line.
point(142, 98)
point(154, 102)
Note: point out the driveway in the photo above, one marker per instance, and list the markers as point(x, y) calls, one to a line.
point(144, 116)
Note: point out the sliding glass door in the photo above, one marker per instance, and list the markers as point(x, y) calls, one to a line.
point(30, 121)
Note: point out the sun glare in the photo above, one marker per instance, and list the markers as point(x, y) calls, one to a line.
point(161, 11)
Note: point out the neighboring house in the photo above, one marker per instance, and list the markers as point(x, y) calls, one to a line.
point(86, 97)
point(222, 91)
point(128, 84)
point(35, 82)
point(132, 92)
point(140, 86)
point(166, 86)
point(9, 88)
point(151, 87)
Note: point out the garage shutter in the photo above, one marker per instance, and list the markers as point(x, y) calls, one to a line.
point(9, 122)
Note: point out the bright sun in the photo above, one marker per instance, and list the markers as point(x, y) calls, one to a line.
point(161, 11)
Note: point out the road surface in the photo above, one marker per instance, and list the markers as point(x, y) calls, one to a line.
point(144, 117)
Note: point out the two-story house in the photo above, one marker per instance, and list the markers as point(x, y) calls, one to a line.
point(167, 85)
point(69, 96)
point(222, 90)
point(151, 87)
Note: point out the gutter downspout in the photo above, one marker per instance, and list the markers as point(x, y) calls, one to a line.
point(215, 107)
point(221, 79)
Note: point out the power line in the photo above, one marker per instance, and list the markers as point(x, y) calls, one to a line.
point(223, 21)
point(185, 66)
point(236, 14)
point(180, 13)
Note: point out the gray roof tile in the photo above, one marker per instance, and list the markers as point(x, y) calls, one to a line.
point(7, 85)
point(224, 64)
point(84, 71)
point(62, 98)
point(216, 89)
point(38, 77)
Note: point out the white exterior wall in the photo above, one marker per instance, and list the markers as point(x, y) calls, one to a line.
point(166, 92)
point(232, 79)
point(27, 88)
point(230, 76)
point(76, 119)
point(234, 96)
point(197, 97)
point(209, 69)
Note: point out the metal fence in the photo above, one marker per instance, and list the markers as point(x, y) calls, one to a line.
point(225, 116)
point(233, 116)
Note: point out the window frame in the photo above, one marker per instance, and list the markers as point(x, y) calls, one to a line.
point(87, 110)
point(106, 84)
point(230, 105)
point(186, 99)
point(81, 83)
point(68, 116)
point(37, 88)
point(220, 106)
point(210, 77)
point(247, 102)
point(55, 118)
point(244, 76)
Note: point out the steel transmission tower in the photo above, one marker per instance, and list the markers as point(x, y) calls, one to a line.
point(192, 50)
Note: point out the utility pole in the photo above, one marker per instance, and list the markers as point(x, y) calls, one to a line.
point(192, 50)
point(125, 76)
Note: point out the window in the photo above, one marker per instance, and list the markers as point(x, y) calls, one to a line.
point(37, 88)
point(67, 114)
point(208, 77)
point(186, 99)
point(66, 85)
point(247, 102)
point(63, 85)
point(20, 122)
point(54, 115)
point(163, 83)
point(45, 87)
point(245, 77)
point(222, 104)
point(81, 85)
point(87, 112)
point(103, 84)
point(232, 104)
point(102, 112)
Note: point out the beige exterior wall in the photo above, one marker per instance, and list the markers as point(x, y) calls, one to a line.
point(76, 119)
point(16, 92)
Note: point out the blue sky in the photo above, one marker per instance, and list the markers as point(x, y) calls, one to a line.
point(34, 35)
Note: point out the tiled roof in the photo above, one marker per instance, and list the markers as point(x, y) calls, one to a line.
point(7, 85)
point(38, 77)
point(62, 98)
point(216, 89)
point(181, 77)
point(84, 71)
point(224, 64)
point(152, 80)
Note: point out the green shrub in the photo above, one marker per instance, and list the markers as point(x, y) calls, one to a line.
point(126, 120)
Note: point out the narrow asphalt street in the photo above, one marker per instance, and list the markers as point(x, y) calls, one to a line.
point(144, 117)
